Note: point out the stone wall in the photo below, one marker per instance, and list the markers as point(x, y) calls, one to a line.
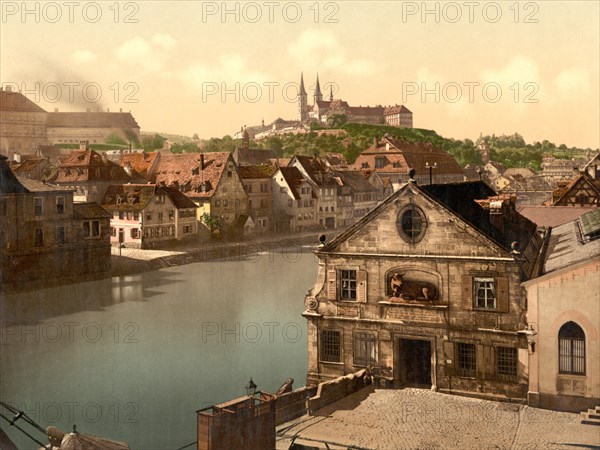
point(331, 391)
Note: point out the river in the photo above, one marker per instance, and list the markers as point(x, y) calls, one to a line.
point(132, 358)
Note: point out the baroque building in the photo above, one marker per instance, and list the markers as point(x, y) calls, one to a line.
point(426, 290)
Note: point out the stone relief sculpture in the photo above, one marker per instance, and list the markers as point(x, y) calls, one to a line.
point(402, 288)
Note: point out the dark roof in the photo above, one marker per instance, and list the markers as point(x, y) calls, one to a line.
point(130, 197)
point(397, 109)
point(262, 171)
point(356, 180)
point(89, 210)
point(178, 198)
point(293, 178)
point(253, 156)
point(461, 198)
point(30, 164)
point(91, 120)
point(38, 186)
point(15, 101)
point(9, 184)
point(565, 247)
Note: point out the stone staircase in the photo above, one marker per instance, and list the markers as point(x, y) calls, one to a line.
point(591, 416)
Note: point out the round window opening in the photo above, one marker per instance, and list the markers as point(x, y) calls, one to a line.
point(411, 224)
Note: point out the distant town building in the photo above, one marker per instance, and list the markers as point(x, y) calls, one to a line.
point(294, 201)
point(89, 174)
point(45, 235)
point(583, 189)
point(561, 169)
point(393, 158)
point(563, 309)
point(24, 126)
point(325, 111)
point(212, 181)
point(257, 182)
point(426, 291)
point(143, 215)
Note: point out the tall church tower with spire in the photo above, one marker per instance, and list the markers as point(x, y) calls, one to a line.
point(302, 101)
point(318, 94)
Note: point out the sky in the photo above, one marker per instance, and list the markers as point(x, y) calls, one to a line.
point(185, 67)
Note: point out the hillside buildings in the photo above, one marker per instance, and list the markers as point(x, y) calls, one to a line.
point(426, 290)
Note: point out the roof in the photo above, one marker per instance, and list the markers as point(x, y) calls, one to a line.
point(141, 163)
point(253, 156)
point(79, 164)
point(15, 101)
point(91, 120)
point(566, 246)
point(81, 441)
point(179, 199)
point(398, 156)
point(552, 216)
point(459, 199)
point(195, 174)
point(257, 172)
point(89, 210)
point(590, 224)
point(396, 109)
point(39, 186)
point(294, 179)
point(30, 164)
point(356, 180)
point(9, 184)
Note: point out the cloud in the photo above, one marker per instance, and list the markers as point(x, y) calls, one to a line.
point(319, 50)
point(150, 54)
point(84, 57)
point(570, 83)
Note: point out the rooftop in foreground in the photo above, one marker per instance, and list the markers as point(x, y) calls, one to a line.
point(417, 418)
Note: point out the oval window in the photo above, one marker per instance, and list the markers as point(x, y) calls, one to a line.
point(411, 224)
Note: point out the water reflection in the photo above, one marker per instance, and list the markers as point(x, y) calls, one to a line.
point(133, 357)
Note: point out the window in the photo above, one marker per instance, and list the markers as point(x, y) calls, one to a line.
point(485, 293)
point(60, 205)
point(217, 202)
point(290, 203)
point(348, 285)
point(379, 163)
point(171, 214)
point(411, 224)
point(365, 349)
point(121, 215)
point(506, 363)
point(466, 359)
point(95, 228)
point(160, 199)
point(148, 216)
point(264, 187)
point(225, 203)
point(136, 216)
point(160, 216)
point(249, 203)
point(571, 349)
point(91, 228)
point(113, 231)
point(61, 235)
point(135, 233)
point(187, 229)
point(330, 346)
point(229, 173)
point(86, 229)
point(249, 188)
point(38, 238)
point(38, 206)
point(129, 215)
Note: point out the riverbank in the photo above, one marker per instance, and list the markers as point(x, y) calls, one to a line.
point(130, 261)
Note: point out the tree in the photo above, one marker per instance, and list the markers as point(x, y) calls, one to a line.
point(185, 147)
point(151, 143)
point(212, 222)
point(114, 139)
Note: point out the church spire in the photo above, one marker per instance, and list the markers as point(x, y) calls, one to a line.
point(318, 94)
point(302, 90)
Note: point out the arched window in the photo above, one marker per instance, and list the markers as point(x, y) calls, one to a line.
point(571, 349)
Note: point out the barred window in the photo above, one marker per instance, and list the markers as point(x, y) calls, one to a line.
point(365, 349)
point(571, 349)
point(466, 359)
point(485, 293)
point(506, 363)
point(348, 285)
point(330, 346)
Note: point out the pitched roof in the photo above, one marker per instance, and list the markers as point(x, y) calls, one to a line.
point(459, 199)
point(39, 186)
point(29, 164)
point(80, 166)
point(9, 184)
point(15, 101)
point(566, 247)
point(179, 199)
point(262, 171)
point(186, 172)
point(141, 163)
point(91, 120)
point(89, 210)
point(356, 180)
point(253, 156)
point(396, 109)
point(552, 216)
point(294, 179)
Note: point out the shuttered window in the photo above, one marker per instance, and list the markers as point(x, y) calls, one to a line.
point(571, 349)
point(347, 284)
point(365, 349)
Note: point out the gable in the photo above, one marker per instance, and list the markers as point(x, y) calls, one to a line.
point(442, 231)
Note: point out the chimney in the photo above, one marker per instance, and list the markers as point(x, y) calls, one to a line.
point(17, 157)
point(502, 210)
point(83, 145)
point(127, 168)
point(104, 158)
point(375, 141)
point(120, 110)
point(55, 109)
point(496, 215)
point(107, 109)
point(201, 161)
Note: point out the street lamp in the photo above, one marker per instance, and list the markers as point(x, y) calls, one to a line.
point(251, 388)
point(530, 334)
point(431, 167)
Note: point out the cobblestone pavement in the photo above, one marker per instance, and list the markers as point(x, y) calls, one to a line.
point(422, 419)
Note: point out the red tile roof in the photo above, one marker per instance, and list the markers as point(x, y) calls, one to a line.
point(262, 171)
point(141, 163)
point(88, 165)
point(185, 172)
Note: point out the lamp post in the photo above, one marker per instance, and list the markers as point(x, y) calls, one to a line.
point(431, 167)
point(251, 388)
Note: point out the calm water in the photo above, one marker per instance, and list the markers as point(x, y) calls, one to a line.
point(132, 358)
